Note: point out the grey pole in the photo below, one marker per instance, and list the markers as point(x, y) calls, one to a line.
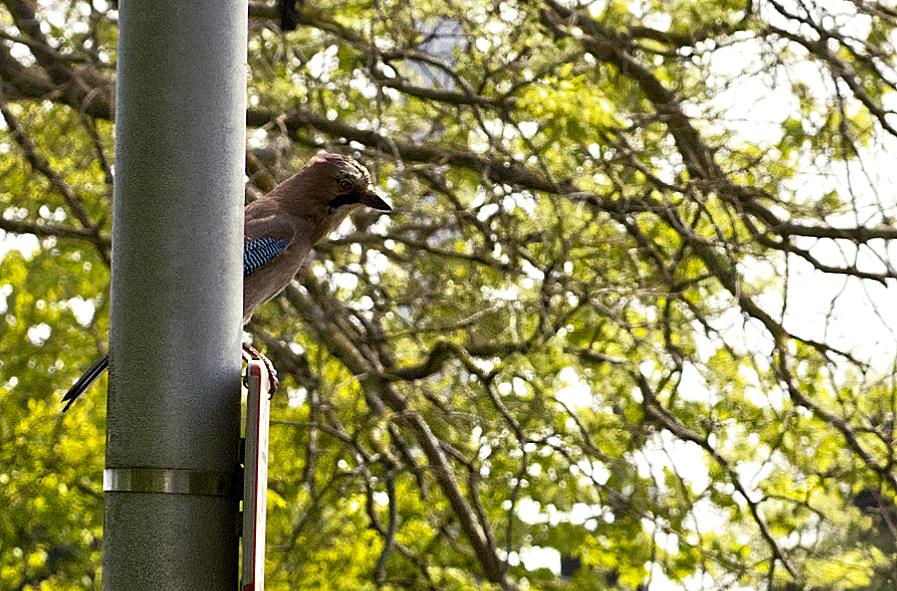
point(174, 398)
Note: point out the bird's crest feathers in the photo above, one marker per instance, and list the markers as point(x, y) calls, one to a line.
point(350, 180)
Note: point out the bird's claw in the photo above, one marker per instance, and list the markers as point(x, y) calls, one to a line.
point(249, 353)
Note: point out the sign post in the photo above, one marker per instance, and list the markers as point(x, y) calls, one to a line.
point(255, 477)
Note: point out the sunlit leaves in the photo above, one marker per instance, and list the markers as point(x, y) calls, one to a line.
point(601, 349)
point(567, 109)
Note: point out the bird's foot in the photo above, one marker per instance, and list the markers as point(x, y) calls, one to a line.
point(250, 353)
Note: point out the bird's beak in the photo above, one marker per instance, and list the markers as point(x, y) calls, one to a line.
point(371, 199)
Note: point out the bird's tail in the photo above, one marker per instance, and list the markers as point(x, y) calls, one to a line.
point(84, 382)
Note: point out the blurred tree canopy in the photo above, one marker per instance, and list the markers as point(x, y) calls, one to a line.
point(627, 310)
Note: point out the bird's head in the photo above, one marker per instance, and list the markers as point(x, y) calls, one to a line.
point(331, 186)
point(349, 183)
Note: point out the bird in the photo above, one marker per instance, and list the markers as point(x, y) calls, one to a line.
point(279, 230)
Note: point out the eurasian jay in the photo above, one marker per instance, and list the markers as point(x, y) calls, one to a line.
point(278, 231)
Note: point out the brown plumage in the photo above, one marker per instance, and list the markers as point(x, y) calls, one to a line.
point(280, 229)
point(301, 212)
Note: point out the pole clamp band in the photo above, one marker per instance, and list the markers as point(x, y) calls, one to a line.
point(167, 481)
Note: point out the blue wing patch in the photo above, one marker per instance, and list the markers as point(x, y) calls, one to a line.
point(260, 251)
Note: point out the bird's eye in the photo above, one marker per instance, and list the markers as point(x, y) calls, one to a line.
point(346, 185)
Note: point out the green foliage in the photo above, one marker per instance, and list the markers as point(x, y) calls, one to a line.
point(576, 331)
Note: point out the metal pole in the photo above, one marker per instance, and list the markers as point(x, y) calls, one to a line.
point(174, 398)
